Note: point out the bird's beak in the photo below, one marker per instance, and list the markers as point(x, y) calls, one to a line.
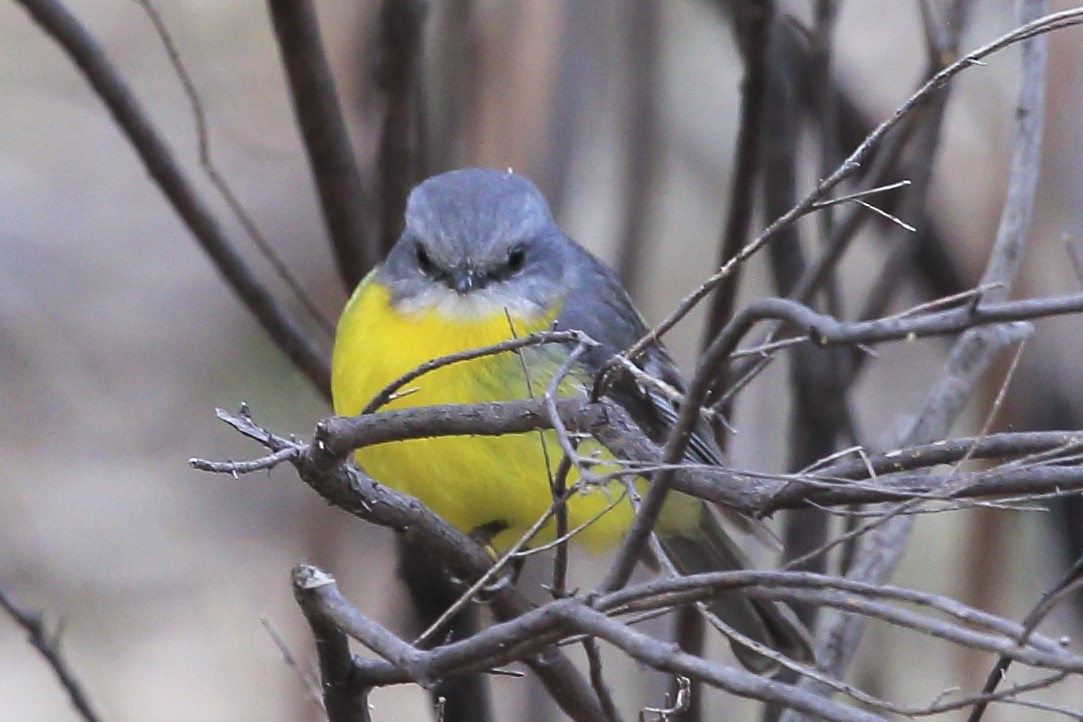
point(462, 280)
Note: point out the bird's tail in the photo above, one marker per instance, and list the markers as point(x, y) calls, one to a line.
point(707, 548)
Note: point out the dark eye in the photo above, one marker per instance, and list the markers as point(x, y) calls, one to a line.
point(516, 259)
point(424, 263)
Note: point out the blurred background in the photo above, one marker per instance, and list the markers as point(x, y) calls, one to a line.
point(118, 338)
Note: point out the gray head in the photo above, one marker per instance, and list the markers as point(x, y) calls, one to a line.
point(475, 241)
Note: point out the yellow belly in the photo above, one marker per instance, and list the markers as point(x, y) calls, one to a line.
point(471, 481)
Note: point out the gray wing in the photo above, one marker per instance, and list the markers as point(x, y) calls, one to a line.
point(599, 307)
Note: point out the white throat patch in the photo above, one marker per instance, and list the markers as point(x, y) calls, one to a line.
point(478, 304)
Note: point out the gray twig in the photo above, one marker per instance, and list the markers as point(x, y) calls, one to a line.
point(49, 646)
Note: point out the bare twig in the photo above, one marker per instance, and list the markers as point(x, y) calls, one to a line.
point(681, 701)
point(597, 679)
point(378, 504)
point(311, 684)
point(643, 140)
point(48, 645)
point(1071, 581)
point(206, 160)
point(236, 468)
point(1049, 23)
point(511, 344)
point(822, 329)
point(1027, 132)
point(879, 552)
point(561, 620)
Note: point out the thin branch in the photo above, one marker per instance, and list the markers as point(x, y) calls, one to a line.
point(860, 195)
point(162, 166)
point(597, 679)
point(379, 504)
point(880, 551)
point(681, 702)
point(643, 150)
point(1049, 23)
point(1070, 582)
point(310, 683)
point(512, 344)
point(364, 498)
point(883, 540)
point(746, 491)
point(822, 329)
point(48, 645)
point(545, 626)
point(206, 161)
point(660, 593)
point(355, 493)
point(236, 468)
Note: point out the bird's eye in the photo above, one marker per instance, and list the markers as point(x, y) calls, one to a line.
point(424, 263)
point(516, 259)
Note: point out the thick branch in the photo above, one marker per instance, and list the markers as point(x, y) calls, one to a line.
point(345, 693)
point(351, 490)
point(842, 483)
point(539, 629)
point(562, 620)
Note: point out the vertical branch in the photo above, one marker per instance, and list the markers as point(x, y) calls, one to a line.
point(1070, 582)
point(942, 42)
point(402, 157)
point(597, 679)
point(344, 699)
point(987, 545)
point(206, 160)
point(319, 115)
point(398, 74)
point(690, 638)
point(818, 398)
point(781, 128)
point(432, 592)
point(879, 552)
point(753, 23)
point(1007, 253)
point(643, 139)
point(826, 112)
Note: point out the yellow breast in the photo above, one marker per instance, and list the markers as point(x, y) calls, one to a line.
point(471, 481)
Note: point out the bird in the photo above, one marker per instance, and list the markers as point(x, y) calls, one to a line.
point(480, 261)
